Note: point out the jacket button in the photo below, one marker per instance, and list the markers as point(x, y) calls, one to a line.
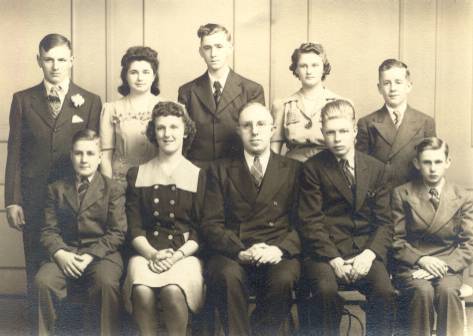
point(156, 213)
point(170, 237)
point(155, 233)
point(275, 203)
point(156, 186)
point(271, 224)
point(171, 215)
point(172, 202)
point(173, 188)
point(156, 200)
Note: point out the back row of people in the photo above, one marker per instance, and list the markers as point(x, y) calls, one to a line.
point(38, 127)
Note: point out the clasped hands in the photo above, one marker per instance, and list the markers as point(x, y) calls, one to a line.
point(355, 268)
point(72, 264)
point(260, 254)
point(163, 260)
point(431, 267)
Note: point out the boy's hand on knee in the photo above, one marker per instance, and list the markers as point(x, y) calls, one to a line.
point(67, 263)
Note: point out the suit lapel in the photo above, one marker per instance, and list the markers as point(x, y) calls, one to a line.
point(448, 206)
point(407, 130)
point(67, 109)
point(94, 192)
point(419, 201)
point(231, 90)
point(332, 170)
point(274, 177)
point(204, 93)
point(70, 195)
point(40, 105)
point(242, 180)
point(385, 125)
point(362, 178)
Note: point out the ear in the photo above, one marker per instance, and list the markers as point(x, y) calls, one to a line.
point(448, 162)
point(38, 59)
point(416, 163)
point(201, 52)
point(379, 88)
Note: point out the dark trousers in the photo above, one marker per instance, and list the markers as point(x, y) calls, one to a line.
point(100, 284)
point(228, 288)
point(327, 305)
point(419, 298)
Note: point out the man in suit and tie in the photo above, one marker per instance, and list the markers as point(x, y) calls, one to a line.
point(391, 133)
point(42, 121)
point(345, 227)
point(214, 99)
point(249, 230)
point(85, 224)
point(433, 243)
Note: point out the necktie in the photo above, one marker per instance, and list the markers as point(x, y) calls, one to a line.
point(347, 172)
point(396, 118)
point(82, 187)
point(217, 92)
point(257, 172)
point(54, 101)
point(434, 198)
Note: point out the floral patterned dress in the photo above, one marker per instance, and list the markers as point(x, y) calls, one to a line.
point(123, 130)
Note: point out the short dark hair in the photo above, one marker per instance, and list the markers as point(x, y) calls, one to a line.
point(393, 63)
point(254, 103)
point(338, 108)
point(212, 28)
point(86, 134)
point(306, 48)
point(139, 53)
point(169, 108)
point(431, 143)
point(53, 40)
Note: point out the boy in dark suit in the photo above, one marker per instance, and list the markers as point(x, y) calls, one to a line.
point(214, 99)
point(433, 242)
point(391, 133)
point(84, 226)
point(248, 226)
point(345, 226)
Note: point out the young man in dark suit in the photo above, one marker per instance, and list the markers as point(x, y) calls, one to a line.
point(248, 226)
point(43, 120)
point(391, 133)
point(214, 99)
point(85, 224)
point(433, 243)
point(345, 226)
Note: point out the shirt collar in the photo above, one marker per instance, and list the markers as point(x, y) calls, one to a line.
point(222, 80)
point(79, 178)
point(350, 158)
point(63, 87)
point(438, 187)
point(401, 109)
point(263, 157)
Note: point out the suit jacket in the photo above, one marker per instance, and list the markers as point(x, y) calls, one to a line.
point(96, 226)
point(333, 223)
point(216, 135)
point(419, 230)
point(377, 136)
point(39, 145)
point(239, 216)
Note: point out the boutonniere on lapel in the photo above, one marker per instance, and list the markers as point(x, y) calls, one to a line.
point(77, 100)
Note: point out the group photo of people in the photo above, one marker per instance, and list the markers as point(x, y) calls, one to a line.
point(227, 210)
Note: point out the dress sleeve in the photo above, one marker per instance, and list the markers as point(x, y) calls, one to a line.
point(107, 127)
point(278, 115)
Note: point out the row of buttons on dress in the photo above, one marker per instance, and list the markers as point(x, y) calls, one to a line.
point(156, 213)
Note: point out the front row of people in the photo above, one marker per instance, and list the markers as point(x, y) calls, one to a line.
point(257, 223)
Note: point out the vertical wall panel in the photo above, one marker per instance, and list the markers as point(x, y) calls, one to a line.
point(171, 29)
point(251, 41)
point(89, 44)
point(358, 36)
point(288, 31)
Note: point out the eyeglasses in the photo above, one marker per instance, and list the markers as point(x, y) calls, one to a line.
point(248, 127)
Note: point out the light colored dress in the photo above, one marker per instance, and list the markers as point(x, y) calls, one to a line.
point(166, 210)
point(123, 130)
point(298, 123)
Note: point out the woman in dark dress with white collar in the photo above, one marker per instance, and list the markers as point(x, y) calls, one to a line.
point(164, 202)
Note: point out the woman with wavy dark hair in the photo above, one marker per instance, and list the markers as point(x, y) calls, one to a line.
point(164, 201)
point(297, 117)
point(123, 122)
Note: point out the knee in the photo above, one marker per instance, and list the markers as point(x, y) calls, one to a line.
point(423, 291)
point(282, 282)
point(143, 297)
point(447, 292)
point(42, 281)
point(384, 292)
point(325, 289)
point(227, 276)
point(172, 295)
point(105, 282)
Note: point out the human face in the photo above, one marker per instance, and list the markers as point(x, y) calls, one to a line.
point(432, 164)
point(55, 63)
point(339, 135)
point(310, 69)
point(394, 86)
point(86, 157)
point(215, 50)
point(140, 77)
point(170, 134)
point(255, 129)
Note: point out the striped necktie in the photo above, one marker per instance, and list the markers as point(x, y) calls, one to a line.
point(347, 172)
point(217, 92)
point(54, 101)
point(434, 198)
point(82, 187)
point(257, 172)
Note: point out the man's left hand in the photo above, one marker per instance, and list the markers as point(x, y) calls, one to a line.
point(270, 254)
point(361, 264)
point(83, 261)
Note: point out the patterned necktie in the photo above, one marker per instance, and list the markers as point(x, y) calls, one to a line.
point(257, 172)
point(54, 101)
point(396, 118)
point(217, 92)
point(347, 172)
point(82, 187)
point(434, 198)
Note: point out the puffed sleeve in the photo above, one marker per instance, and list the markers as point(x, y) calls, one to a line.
point(278, 115)
point(107, 126)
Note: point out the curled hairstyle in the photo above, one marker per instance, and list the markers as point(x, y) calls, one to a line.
point(54, 40)
point(212, 28)
point(338, 108)
point(431, 143)
point(86, 134)
point(309, 47)
point(169, 108)
point(139, 53)
point(393, 63)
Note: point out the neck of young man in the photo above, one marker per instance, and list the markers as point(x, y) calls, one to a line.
point(219, 73)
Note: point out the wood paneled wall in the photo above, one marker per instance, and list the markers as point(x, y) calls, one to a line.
point(435, 38)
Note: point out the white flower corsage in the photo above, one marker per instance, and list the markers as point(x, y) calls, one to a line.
point(77, 100)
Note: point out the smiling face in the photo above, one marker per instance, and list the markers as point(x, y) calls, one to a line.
point(86, 156)
point(255, 129)
point(432, 165)
point(215, 50)
point(394, 86)
point(170, 134)
point(310, 69)
point(339, 134)
point(56, 63)
point(140, 77)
